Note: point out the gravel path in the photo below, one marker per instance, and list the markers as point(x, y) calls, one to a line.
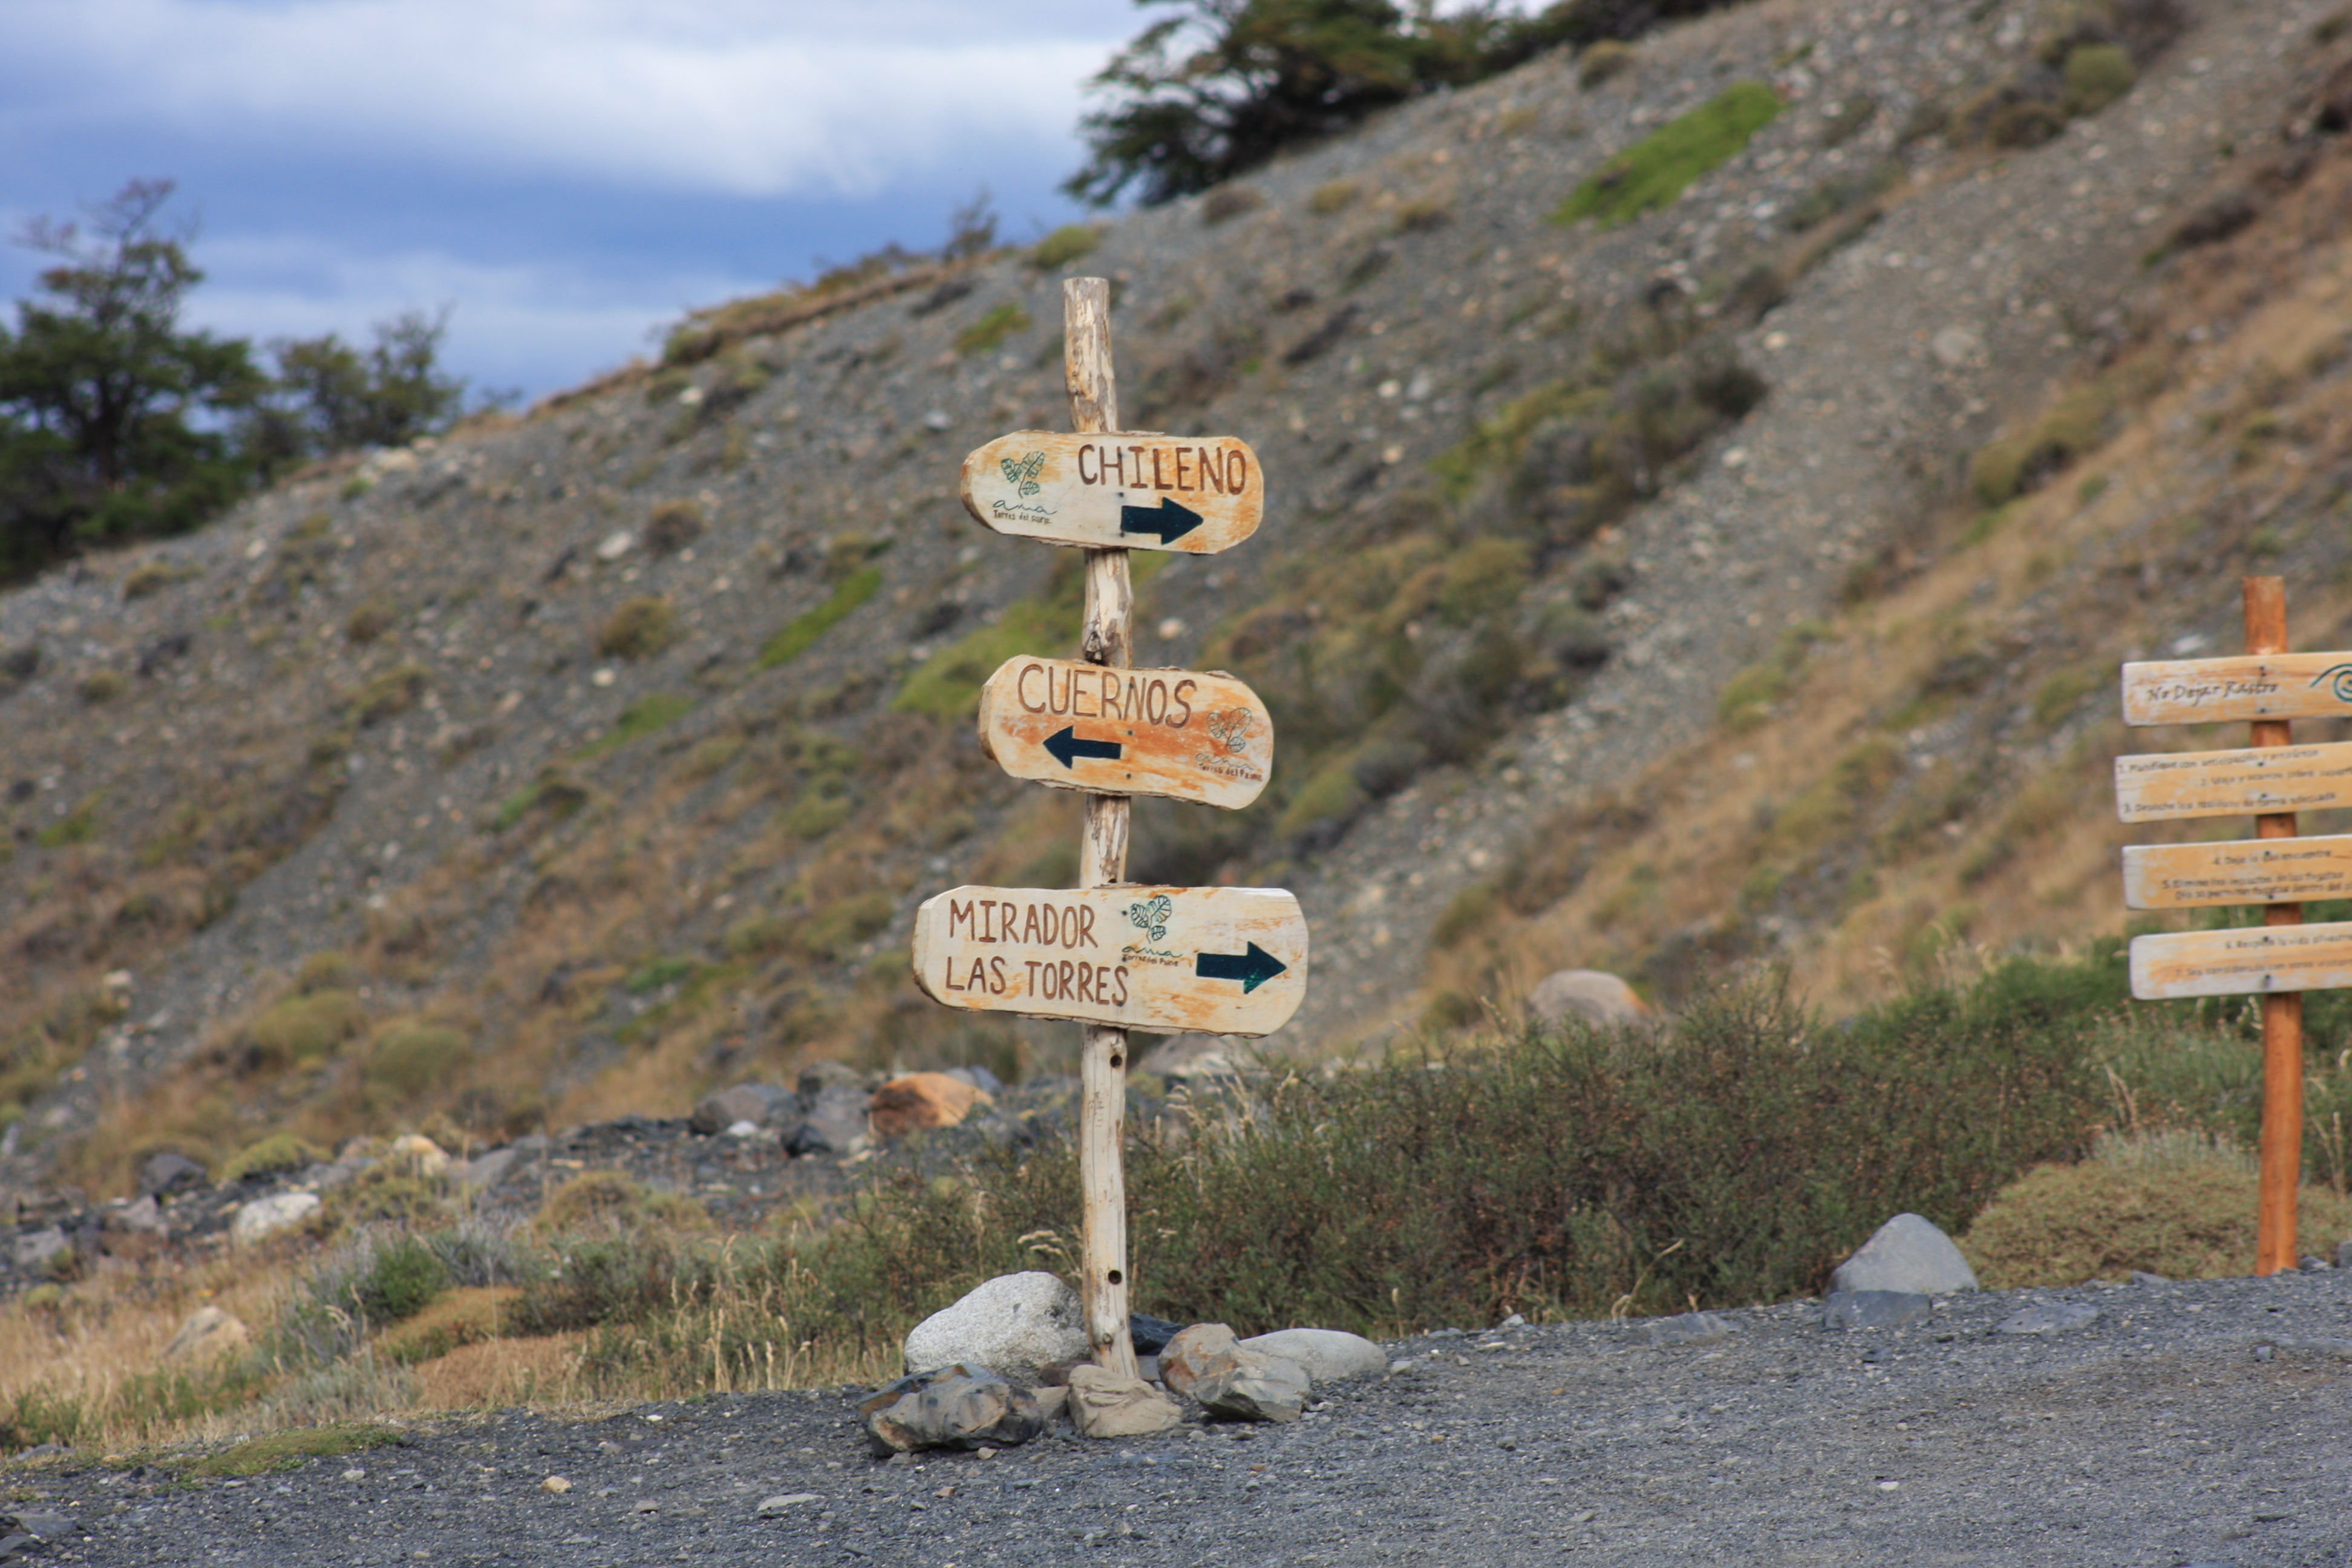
point(2203, 1422)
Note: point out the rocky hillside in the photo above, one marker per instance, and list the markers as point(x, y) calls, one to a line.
point(1709, 487)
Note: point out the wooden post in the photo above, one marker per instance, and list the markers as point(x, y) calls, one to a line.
point(1109, 639)
point(2282, 1152)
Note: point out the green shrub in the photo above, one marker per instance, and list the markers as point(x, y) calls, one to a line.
point(800, 634)
point(1602, 61)
point(274, 1155)
point(388, 693)
point(989, 333)
point(2098, 75)
point(412, 1057)
point(654, 974)
point(401, 1280)
point(370, 619)
point(329, 969)
point(103, 685)
point(606, 1202)
point(1071, 242)
point(307, 1027)
point(2179, 1203)
point(1657, 169)
point(638, 628)
point(675, 525)
point(1222, 205)
point(834, 931)
point(1331, 196)
point(153, 575)
point(648, 715)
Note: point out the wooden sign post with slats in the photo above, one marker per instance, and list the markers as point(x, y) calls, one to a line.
point(2270, 687)
point(1110, 954)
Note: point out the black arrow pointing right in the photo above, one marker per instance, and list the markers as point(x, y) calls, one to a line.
point(1170, 519)
point(1067, 748)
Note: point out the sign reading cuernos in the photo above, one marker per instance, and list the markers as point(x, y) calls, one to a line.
point(2248, 871)
point(1173, 732)
point(1131, 491)
point(2254, 685)
point(2166, 784)
point(2242, 961)
point(1215, 960)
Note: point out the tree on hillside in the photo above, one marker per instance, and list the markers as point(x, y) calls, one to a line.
point(114, 423)
point(330, 396)
point(1220, 85)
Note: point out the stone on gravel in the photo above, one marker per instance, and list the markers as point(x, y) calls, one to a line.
point(558, 1485)
point(208, 1333)
point(2142, 1277)
point(759, 1103)
point(1195, 1353)
point(834, 1123)
point(1105, 1405)
point(1329, 1355)
point(1589, 995)
point(144, 1216)
point(786, 1503)
point(1013, 1324)
point(483, 1171)
point(1691, 1328)
point(266, 1217)
point(956, 1406)
point(818, 1077)
point(1876, 1309)
point(1908, 1253)
point(921, 1100)
point(2050, 1318)
point(42, 1527)
point(1255, 1388)
point(2343, 1255)
point(166, 1173)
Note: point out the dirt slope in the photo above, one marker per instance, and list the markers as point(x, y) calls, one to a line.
point(577, 762)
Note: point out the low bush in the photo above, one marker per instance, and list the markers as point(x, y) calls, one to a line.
point(1657, 169)
point(277, 1155)
point(387, 694)
point(1076, 241)
point(412, 1057)
point(675, 525)
point(638, 628)
point(988, 333)
point(306, 1027)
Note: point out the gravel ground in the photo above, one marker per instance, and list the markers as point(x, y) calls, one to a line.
point(2203, 1422)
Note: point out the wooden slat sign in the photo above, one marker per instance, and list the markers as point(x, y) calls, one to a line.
point(2168, 784)
point(2248, 871)
point(1221, 961)
point(1173, 732)
point(2250, 686)
point(2242, 961)
point(1198, 494)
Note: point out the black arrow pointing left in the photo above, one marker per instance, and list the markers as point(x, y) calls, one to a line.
point(1067, 748)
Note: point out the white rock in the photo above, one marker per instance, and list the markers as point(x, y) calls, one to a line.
point(615, 544)
point(429, 1157)
point(1909, 1254)
point(1590, 996)
point(266, 1216)
point(1013, 1325)
point(208, 1332)
point(1328, 1354)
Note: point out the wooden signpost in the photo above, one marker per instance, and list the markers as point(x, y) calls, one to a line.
point(1173, 732)
point(2282, 958)
point(1109, 953)
point(1137, 491)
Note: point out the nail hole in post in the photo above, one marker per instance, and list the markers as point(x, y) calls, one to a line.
point(1117, 1277)
point(1117, 1061)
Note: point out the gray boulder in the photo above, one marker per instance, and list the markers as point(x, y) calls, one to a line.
point(1907, 1254)
point(1588, 995)
point(836, 1120)
point(34, 1250)
point(1329, 1355)
point(167, 1172)
point(1876, 1309)
point(1255, 1388)
point(2050, 1318)
point(956, 1406)
point(818, 1077)
point(1015, 1324)
point(759, 1103)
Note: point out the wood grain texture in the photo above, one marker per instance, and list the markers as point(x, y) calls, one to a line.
point(2252, 686)
point(1106, 637)
point(2248, 871)
point(2162, 785)
point(2244, 962)
point(1074, 490)
point(1182, 734)
point(1128, 956)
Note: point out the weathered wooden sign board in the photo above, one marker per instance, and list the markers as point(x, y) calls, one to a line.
point(1223, 961)
point(1178, 733)
point(2254, 686)
point(2246, 960)
point(2163, 785)
point(2248, 871)
point(1127, 491)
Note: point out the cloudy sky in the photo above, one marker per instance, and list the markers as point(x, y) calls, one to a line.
point(568, 174)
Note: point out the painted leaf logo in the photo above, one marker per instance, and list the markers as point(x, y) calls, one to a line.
point(1231, 730)
point(2341, 689)
point(1023, 475)
point(1151, 917)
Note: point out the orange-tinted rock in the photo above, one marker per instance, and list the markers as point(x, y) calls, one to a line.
point(921, 1100)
